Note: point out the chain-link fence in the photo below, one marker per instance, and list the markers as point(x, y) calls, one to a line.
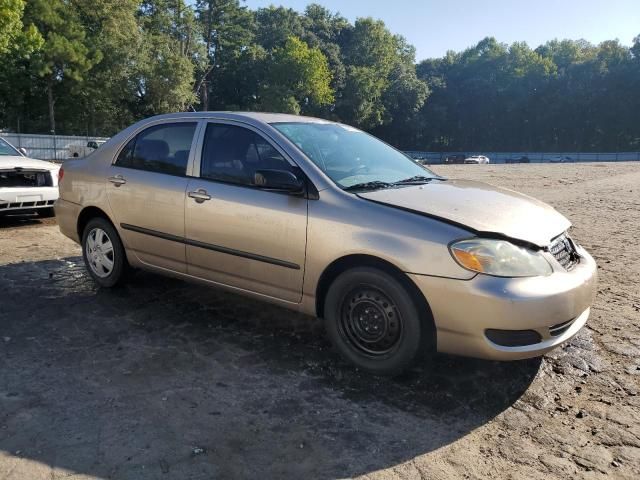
point(62, 147)
point(54, 147)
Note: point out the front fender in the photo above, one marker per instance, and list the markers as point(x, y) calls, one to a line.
point(341, 225)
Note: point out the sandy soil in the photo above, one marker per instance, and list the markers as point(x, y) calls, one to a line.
point(166, 380)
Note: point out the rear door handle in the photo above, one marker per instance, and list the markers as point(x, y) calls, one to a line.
point(117, 180)
point(200, 195)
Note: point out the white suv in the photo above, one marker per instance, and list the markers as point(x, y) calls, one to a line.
point(26, 185)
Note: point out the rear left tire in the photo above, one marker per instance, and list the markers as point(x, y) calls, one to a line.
point(103, 253)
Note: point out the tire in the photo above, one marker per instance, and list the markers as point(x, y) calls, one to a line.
point(374, 322)
point(46, 212)
point(103, 253)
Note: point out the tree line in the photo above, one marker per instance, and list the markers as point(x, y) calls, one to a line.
point(95, 66)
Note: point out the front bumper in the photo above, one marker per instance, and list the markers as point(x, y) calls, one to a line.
point(555, 308)
point(21, 199)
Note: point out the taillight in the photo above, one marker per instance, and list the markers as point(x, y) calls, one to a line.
point(60, 174)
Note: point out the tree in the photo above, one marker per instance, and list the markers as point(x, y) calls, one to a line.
point(10, 22)
point(95, 66)
point(324, 30)
point(228, 29)
point(106, 101)
point(298, 77)
point(635, 49)
point(170, 54)
point(369, 50)
point(64, 57)
point(274, 26)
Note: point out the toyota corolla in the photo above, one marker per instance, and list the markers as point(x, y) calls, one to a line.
point(325, 219)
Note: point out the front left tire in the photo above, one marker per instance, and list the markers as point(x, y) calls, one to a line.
point(103, 253)
point(375, 322)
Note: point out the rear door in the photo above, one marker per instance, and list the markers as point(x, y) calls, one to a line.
point(146, 188)
point(237, 233)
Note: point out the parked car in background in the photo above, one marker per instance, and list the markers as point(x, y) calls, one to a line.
point(77, 151)
point(324, 219)
point(26, 185)
point(477, 159)
point(519, 159)
point(455, 159)
point(561, 159)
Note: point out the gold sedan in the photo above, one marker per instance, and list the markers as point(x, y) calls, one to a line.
point(325, 219)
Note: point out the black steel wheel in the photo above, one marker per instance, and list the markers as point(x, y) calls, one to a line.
point(374, 321)
point(370, 321)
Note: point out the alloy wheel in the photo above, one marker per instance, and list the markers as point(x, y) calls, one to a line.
point(99, 252)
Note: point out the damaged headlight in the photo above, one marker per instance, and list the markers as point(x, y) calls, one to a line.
point(499, 258)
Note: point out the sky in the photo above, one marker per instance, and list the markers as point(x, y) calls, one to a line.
point(435, 26)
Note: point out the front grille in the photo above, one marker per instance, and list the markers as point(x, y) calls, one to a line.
point(20, 205)
point(564, 252)
point(25, 178)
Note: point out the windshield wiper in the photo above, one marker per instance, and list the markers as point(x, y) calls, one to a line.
point(373, 185)
point(417, 179)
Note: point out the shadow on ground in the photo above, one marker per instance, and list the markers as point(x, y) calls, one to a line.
point(166, 378)
point(23, 220)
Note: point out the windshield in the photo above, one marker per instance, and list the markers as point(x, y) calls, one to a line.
point(351, 157)
point(7, 149)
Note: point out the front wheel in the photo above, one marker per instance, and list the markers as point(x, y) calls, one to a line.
point(103, 253)
point(374, 322)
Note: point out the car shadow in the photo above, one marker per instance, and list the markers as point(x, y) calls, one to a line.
point(21, 220)
point(163, 377)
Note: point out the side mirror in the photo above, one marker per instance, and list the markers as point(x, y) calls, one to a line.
point(23, 151)
point(278, 180)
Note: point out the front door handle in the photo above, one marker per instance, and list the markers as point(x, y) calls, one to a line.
point(117, 180)
point(200, 195)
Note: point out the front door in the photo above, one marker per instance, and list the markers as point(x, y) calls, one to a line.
point(146, 188)
point(238, 234)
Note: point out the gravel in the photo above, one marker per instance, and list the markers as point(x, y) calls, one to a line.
point(162, 379)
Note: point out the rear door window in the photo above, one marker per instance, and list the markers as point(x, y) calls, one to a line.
point(162, 148)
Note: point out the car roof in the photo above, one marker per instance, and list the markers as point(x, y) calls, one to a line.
point(263, 117)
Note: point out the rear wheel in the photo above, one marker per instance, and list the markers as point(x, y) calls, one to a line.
point(103, 253)
point(374, 321)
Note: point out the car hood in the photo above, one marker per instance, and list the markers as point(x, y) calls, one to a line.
point(12, 161)
point(479, 207)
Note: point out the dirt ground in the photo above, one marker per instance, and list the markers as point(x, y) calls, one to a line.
point(161, 379)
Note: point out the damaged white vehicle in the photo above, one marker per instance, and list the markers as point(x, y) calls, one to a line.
point(26, 185)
